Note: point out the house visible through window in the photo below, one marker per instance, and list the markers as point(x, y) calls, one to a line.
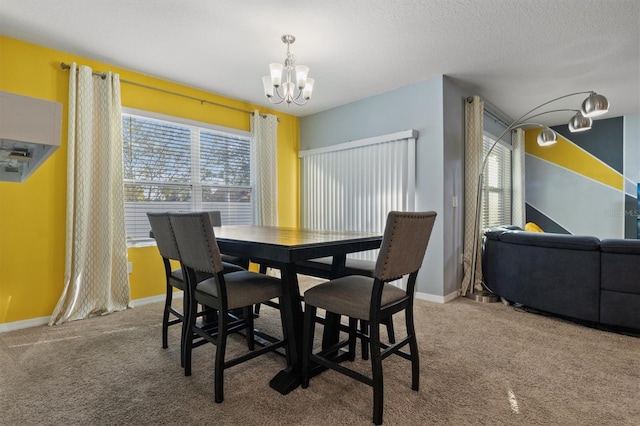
point(179, 165)
point(496, 197)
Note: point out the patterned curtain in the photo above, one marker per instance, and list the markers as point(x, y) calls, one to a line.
point(96, 278)
point(474, 112)
point(264, 164)
point(518, 178)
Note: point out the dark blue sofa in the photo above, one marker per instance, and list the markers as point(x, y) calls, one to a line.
point(578, 277)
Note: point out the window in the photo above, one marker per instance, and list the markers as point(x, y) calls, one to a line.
point(496, 196)
point(177, 165)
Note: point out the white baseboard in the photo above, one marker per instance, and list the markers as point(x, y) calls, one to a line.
point(35, 322)
point(18, 325)
point(437, 299)
point(154, 299)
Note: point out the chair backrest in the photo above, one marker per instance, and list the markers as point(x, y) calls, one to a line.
point(163, 234)
point(405, 240)
point(196, 241)
point(216, 218)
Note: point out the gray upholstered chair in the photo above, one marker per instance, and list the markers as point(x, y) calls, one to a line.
point(168, 248)
point(403, 247)
point(199, 253)
point(216, 220)
point(322, 267)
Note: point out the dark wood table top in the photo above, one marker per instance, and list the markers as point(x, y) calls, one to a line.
point(289, 245)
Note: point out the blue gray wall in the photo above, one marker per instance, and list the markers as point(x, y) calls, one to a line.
point(435, 109)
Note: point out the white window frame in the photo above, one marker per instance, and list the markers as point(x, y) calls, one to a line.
point(504, 188)
point(195, 182)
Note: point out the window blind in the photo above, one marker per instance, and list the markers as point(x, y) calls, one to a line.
point(171, 166)
point(496, 197)
point(353, 186)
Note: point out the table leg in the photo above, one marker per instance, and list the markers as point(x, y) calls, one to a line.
point(289, 379)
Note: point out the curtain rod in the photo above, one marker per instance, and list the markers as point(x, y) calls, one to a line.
point(493, 111)
point(202, 101)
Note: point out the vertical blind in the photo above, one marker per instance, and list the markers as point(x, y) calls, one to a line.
point(496, 197)
point(353, 186)
point(171, 166)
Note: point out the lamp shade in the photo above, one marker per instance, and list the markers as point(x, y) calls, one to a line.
point(595, 105)
point(301, 75)
point(580, 123)
point(547, 137)
point(308, 88)
point(276, 74)
point(268, 87)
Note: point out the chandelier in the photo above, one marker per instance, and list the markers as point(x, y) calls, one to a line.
point(296, 87)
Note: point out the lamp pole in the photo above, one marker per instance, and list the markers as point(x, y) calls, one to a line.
point(592, 106)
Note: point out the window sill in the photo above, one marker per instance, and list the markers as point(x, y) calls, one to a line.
point(140, 242)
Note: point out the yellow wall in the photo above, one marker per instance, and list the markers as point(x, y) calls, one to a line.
point(32, 214)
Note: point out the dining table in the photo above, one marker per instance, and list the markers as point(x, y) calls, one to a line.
point(281, 248)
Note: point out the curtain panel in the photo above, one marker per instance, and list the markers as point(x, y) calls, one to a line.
point(264, 168)
point(474, 133)
point(96, 280)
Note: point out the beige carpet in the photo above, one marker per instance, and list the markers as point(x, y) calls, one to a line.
point(481, 364)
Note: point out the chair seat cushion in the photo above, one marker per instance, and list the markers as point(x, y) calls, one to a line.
point(238, 261)
point(321, 267)
point(177, 279)
point(349, 296)
point(244, 288)
point(231, 267)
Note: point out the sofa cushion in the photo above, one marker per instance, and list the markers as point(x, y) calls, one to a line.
point(494, 232)
point(560, 241)
point(532, 227)
point(615, 245)
point(620, 309)
point(620, 272)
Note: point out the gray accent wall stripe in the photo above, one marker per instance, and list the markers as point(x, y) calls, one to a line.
point(543, 221)
point(603, 141)
point(630, 217)
point(580, 205)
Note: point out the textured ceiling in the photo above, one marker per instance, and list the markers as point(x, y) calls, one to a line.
point(515, 54)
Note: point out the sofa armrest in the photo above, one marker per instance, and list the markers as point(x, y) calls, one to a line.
point(615, 245)
point(549, 240)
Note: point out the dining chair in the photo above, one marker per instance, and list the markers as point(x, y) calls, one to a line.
point(322, 267)
point(174, 277)
point(373, 299)
point(216, 220)
point(199, 252)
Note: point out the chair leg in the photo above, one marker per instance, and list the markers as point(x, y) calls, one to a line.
point(248, 319)
point(390, 332)
point(364, 329)
point(376, 369)
point(221, 346)
point(190, 313)
point(353, 326)
point(165, 316)
point(413, 347)
point(263, 270)
point(308, 331)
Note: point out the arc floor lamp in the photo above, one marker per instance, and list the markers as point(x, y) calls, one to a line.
point(593, 106)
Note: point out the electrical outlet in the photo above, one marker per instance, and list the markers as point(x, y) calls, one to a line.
point(129, 267)
point(455, 201)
